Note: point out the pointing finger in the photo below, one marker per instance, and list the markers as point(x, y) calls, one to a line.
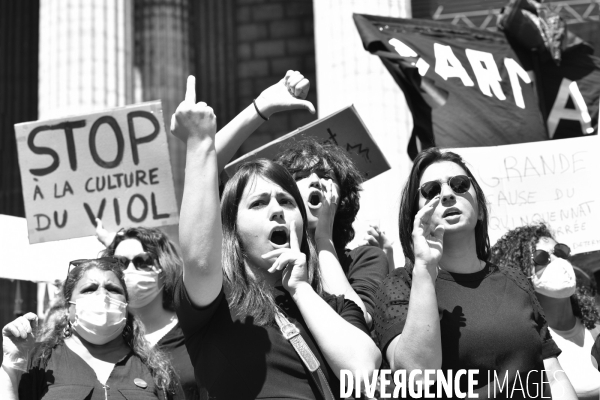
point(274, 253)
point(190, 93)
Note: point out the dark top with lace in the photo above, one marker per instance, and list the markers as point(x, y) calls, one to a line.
point(235, 359)
point(67, 376)
point(490, 320)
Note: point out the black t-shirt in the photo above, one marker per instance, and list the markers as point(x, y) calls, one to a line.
point(235, 359)
point(596, 351)
point(173, 344)
point(365, 267)
point(490, 320)
point(66, 375)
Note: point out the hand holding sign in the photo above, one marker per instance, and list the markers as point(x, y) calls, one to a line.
point(287, 94)
point(193, 120)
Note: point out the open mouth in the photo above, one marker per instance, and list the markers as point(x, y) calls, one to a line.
point(452, 212)
point(314, 199)
point(279, 236)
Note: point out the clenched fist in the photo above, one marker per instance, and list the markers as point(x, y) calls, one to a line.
point(193, 121)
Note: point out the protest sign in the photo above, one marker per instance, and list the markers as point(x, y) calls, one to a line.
point(343, 128)
point(113, 165)
point(555, 182)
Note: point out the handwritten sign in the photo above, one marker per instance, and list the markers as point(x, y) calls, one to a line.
point(555, 182)
point(112, 165)
point(343, 128)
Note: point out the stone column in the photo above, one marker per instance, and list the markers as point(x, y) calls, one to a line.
point(162, 60)
point(85, 56)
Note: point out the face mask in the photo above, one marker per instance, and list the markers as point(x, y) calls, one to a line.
point(99, 318)
point(142, 287)
point(556, 280)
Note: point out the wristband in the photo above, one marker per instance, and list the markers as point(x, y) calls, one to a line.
point(258, 112)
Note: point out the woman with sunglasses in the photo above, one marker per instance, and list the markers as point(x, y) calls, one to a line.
point(96, 350)
point(251, 304)
point(450, 309)
point(153, 265)
point(568, 302)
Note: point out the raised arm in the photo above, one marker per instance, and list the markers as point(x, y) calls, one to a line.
point(17, 340)
point(200, 230)
point(419, 346)
point(376, 237)
point(344, 346)
point(334, 279)
point(287, 94)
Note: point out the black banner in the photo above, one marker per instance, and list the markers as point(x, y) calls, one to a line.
point(467, 87)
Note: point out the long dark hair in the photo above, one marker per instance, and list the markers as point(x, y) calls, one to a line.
point(133, 333)
point(514, 250)
point(309, 155)
point(409, 204)
point(158, 245)
point(248, 294)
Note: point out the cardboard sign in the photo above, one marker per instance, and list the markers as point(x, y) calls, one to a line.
point(113, 165)
point(343, 128)
point(555, 182)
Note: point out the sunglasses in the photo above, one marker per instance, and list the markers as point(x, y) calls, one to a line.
point(110, 260)
point(459, 184)
point(542, 257)
point(141, 262)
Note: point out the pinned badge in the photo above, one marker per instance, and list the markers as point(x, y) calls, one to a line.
point(140, 383)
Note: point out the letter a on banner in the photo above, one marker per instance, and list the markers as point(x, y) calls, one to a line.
point(569, 89)
point(448, 66)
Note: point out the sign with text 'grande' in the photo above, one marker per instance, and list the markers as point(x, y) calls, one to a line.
point(113, 165)
point(555, 182)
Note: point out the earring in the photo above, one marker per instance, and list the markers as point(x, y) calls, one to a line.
point(127, 331)
point(67, 330)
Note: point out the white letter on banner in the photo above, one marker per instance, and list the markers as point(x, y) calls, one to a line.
point(402, 49)
point(346, 383)
point(559, 111)
point(405, 51)
point(515, 71)
point(486, 71)
point(448, 66)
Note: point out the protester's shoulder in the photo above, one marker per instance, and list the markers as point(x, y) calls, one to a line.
point(365, 251)
point(514, 275)
point(367, 257)
point(396, 285)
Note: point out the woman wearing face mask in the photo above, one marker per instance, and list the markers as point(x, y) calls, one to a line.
point(250, 277)
point(569, 306)
point(450, 308)
point(96, 351)
point(153, 267)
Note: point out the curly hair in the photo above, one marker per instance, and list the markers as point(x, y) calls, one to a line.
point(515, 249)
point(57, 328)
point(247, 294)
point(309, 155)
point(160, 247)
point(409, 203)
